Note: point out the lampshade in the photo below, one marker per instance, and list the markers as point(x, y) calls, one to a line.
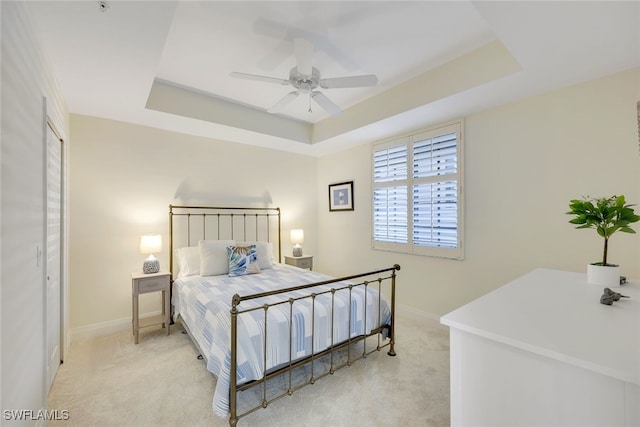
point(297, 237)
point(150, 243)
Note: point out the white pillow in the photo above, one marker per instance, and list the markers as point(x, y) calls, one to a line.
point(188, 261)
point(213, 257)
point(264, 251)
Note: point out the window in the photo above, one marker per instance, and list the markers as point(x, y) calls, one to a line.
point(417, 193)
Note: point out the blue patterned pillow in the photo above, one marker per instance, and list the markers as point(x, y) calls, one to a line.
point(243, 260)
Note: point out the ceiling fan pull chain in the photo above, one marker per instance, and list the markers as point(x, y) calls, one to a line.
point(310, 103)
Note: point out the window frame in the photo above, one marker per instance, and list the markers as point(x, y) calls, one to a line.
point(409, 181)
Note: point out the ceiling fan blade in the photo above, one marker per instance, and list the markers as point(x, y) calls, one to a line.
point(286, 100)
point(269, 28)
point(326, 103)
point(259, 78)
point(367, 80)
point(277, 56)
point(304, 56)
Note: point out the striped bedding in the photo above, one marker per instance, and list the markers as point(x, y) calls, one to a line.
point(203, 303)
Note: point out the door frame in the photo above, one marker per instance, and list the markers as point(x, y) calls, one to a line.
point(50, 124)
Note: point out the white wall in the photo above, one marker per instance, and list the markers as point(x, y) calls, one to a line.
point(26, 81)
point(124, 177)
point(524, 162)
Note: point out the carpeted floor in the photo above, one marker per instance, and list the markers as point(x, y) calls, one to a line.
point(109, 381)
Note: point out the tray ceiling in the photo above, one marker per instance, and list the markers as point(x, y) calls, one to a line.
point(166, 64)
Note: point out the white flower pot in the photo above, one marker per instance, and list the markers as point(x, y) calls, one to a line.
point(602, 275)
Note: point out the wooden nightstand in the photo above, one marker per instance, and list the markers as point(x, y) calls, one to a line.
point(304, 261)
point(142, 284)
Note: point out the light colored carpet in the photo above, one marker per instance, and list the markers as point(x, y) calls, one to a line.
point(109, 381)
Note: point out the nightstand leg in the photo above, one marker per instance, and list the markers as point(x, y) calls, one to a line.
point(163, 312)
point(136, 321)
point(166, 309)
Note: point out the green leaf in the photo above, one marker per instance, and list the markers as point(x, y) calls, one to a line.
point(579, 220)
point(606, 214)
point(611, 230)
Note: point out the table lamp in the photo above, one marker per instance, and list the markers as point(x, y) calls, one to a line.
point(150, 243)
point(297, 237)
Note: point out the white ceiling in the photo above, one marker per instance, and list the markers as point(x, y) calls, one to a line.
point(166, 64)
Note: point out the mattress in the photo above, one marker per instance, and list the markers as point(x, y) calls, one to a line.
point(203, 303)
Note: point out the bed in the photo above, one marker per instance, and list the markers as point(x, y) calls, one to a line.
point(264, 328)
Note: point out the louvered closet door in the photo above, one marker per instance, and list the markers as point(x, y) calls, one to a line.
point(54, 221)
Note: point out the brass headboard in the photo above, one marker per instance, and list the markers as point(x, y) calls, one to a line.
point(189, 224)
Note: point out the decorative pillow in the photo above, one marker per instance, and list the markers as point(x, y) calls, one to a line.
point(213, 257)
point(188, 261)
point(264, 250)
point(243, 260)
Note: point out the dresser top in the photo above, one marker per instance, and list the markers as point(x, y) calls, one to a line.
point(558, 314)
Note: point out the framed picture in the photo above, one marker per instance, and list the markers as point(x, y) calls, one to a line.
point(341, 196)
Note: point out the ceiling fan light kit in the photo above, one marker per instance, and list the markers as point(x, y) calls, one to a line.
point(306, 78)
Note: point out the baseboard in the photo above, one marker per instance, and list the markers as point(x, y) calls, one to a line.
point(104, 328)
point(405, 310)
point(67, 344)
point(113, 326)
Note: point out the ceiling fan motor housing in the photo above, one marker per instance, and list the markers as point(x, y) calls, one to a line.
point(304, 84)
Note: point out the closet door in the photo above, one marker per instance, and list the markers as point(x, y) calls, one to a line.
point(54, 251)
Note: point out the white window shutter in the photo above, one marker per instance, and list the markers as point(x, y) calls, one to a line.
point(417, 195)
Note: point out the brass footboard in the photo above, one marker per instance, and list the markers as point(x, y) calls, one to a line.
point(334, 347)
point(189, 224)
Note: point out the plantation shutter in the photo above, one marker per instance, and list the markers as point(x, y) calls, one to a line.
point(435, 198)
point(390, 195)
point(417, 204)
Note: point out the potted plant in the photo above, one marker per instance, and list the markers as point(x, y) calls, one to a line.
point(606, 215)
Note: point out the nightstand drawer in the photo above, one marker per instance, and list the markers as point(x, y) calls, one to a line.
point(304, 263)
point(152, 284)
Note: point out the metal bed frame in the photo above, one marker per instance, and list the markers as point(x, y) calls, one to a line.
point(264, 224)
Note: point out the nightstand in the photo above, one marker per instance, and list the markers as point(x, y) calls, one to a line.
point(304, 261)
point(143, 284)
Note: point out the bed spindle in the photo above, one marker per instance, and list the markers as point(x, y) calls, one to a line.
point(333, 307)
point(366, 294)
point(313, 335)
point(204, 226)
point(264, 358)
point(290, 388)
point(233, 416)
point(188, 229)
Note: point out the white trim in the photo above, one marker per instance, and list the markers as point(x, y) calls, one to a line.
point(408, 311)
point(105, 328)
point(410, 181)
point(67, 342)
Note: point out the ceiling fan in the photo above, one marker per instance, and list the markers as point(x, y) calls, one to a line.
point(305, 78)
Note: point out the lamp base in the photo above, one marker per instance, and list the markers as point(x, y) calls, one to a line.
point(151, 266)
point(297, 251)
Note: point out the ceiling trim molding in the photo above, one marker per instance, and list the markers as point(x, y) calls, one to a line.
point(173, 99)
point(483, 65)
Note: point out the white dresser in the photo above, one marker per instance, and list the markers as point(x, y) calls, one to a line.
point(542, 350)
